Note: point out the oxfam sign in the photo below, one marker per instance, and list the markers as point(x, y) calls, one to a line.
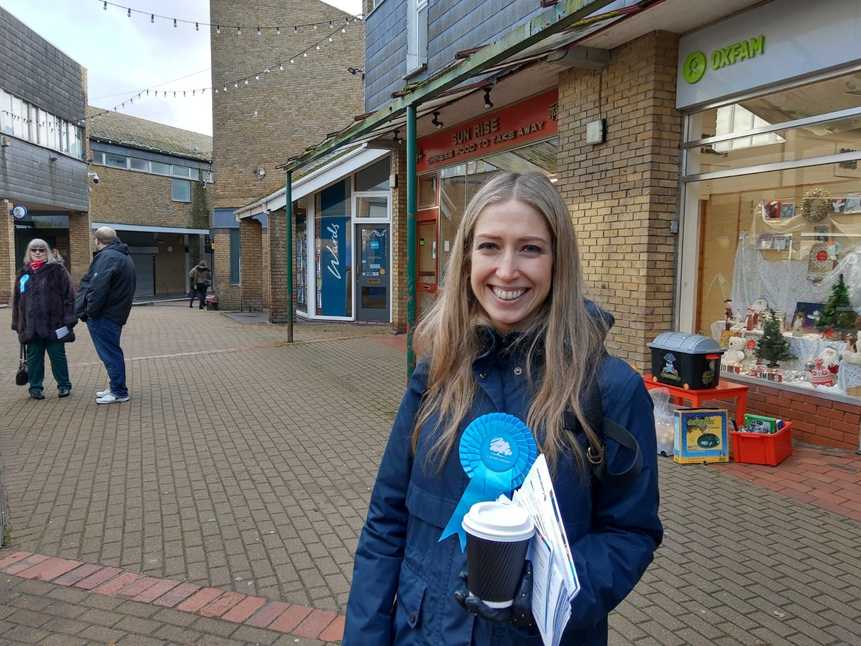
point(697, 63)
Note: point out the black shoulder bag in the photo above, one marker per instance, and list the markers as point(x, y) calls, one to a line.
point(21, 377)
point(606, 429)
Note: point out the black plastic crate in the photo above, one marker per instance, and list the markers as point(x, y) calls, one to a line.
point(689, 361)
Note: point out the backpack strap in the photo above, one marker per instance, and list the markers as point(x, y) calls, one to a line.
point(606, 428)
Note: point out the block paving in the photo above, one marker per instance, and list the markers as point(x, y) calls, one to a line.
point(222, 504)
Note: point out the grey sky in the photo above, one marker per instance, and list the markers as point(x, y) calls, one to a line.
point(124, 56)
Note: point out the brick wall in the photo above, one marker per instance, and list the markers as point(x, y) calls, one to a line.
point(623, 193)
point(141, 198)
point(815, 420)
point(267, 121)
point(80, 245)
point(229, 296)
point(399, 242)
point(266, 267)
point(251, 270)
point(7, 253)
point(277, 269)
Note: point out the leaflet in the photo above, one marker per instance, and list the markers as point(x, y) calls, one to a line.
point(555, 582)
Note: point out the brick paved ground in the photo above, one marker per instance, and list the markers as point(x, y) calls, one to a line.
point(196, 480)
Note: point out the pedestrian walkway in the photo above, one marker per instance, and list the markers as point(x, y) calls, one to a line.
point(245, 465)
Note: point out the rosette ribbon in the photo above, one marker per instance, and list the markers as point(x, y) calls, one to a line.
point(496, 451)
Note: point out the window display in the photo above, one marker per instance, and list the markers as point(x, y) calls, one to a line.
point(776, 192)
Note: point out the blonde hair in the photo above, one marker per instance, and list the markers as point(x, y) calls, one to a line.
point(37, 242)
point(569, 339)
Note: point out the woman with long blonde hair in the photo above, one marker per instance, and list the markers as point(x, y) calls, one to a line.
point(512, 332)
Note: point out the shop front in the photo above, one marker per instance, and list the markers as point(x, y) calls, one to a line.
point(771, 207)
point(455, 162)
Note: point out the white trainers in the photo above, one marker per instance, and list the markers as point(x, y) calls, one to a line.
point(111, 398)
point(102, 393)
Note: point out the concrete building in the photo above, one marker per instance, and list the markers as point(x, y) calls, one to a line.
point(43, 175)
point(153, 186)
point(707, 152)
point(276, 93)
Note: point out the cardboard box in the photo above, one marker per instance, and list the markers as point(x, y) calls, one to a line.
point(700, 435)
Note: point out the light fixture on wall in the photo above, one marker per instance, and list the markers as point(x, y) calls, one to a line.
point(396, 137)
point(435, 121)
point(488, 104)
point(356, 71)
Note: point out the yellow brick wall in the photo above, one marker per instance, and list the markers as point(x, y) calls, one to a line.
point(623, 194)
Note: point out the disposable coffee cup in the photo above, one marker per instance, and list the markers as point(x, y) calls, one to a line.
point(497, 539)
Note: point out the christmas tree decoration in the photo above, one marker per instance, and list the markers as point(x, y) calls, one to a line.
point(773, 346)
point(837, 313)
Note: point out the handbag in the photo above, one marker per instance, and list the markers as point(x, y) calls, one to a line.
point(21, 377)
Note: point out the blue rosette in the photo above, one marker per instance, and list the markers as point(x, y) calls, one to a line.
point(496, 452)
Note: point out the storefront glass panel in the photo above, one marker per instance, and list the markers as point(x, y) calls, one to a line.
point(333, 246)
point(840, 93)
point(301, 252)
point(784, 241)
point(781, 241)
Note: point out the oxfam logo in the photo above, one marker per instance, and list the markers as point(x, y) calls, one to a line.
point(695, 67)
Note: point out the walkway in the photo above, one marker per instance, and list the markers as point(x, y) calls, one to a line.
point(245, 465)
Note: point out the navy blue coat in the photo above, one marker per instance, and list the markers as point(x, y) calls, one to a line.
point(404, 579)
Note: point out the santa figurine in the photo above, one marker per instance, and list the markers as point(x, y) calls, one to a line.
point(821, 375)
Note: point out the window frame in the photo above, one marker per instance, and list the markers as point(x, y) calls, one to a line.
point(175, 182)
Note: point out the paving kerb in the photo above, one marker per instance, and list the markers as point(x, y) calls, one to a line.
point(246, 465)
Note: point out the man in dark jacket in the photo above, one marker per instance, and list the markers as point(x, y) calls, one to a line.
point(104, 302)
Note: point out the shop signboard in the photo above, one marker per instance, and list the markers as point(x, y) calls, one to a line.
point(775, 42)
point(525, 122)
point(334, 261)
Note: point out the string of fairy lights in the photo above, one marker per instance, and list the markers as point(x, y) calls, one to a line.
point(332, 28)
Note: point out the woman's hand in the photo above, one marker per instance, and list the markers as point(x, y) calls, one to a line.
point(519, 614)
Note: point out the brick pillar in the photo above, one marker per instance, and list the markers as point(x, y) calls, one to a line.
point(7, 253)
point(264, 249)
point(251, 267)
point(399, 242)
point(278, 267)
point(80, 241)
point(623, 194)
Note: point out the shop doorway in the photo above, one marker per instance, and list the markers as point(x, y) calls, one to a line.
point(372, 277)
point(427, 266)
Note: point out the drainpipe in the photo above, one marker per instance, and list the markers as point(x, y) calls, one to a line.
point(411, 236)
point(288, 250)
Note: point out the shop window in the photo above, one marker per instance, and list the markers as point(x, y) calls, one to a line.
point(333, 245)
point(234, 256)
point(427, 192)
point(139, 164)
point(783, 241)
point(180, 190)
point(802, 102)
point(372, 206)
point(117, 161)
point(5, 113)
point(772, 228)
point(374, 177)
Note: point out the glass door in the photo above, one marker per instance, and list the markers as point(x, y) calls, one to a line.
point(427, 266)
point(372, 274)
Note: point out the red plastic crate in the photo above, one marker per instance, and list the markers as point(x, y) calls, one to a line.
point(762, 448)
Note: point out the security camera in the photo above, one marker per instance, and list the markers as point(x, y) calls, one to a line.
point(93, 177)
